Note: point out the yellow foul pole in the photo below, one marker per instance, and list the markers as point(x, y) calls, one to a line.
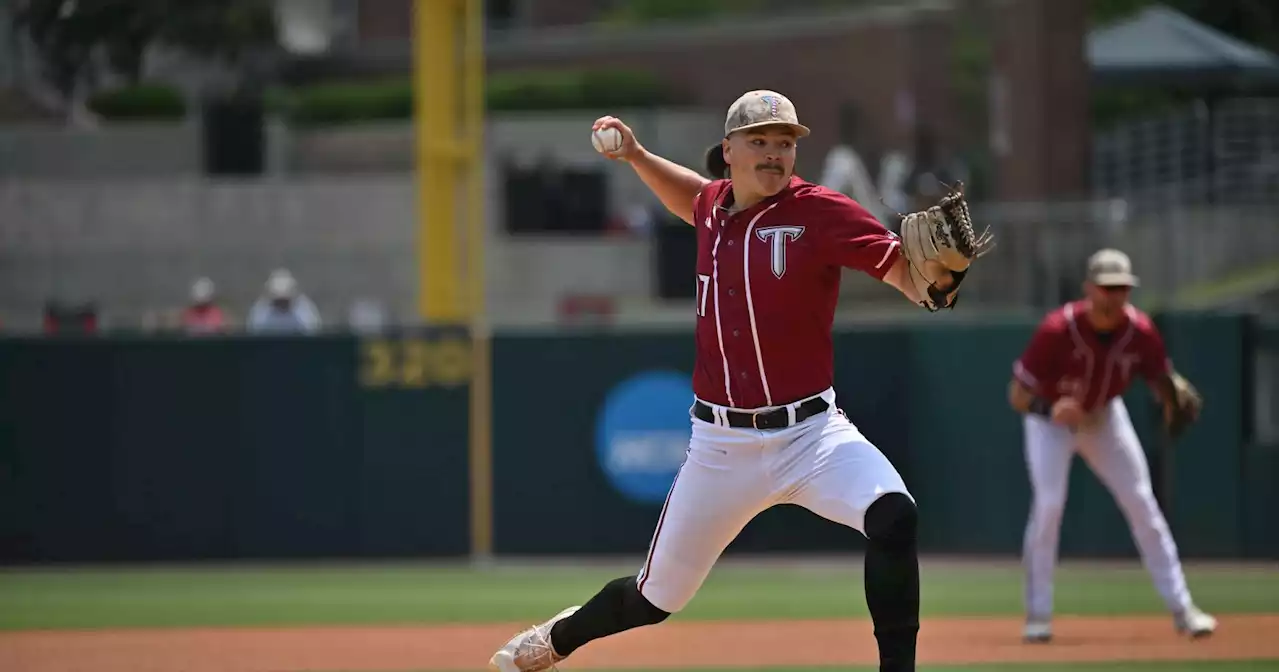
point(441, 156)
point(448, 65)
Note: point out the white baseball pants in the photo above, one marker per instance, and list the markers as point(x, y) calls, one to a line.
point(729, 475)
point(1111, 449)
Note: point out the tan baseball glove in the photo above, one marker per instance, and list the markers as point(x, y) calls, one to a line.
point(940, 239)
point(1185, 408)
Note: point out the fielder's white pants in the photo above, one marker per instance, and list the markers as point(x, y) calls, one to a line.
point(1110, 447)
point(729, 475)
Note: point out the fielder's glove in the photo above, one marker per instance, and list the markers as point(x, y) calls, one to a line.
point(1185, 408)
point(942, 237)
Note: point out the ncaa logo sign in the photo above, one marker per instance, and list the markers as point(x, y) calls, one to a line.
point(642, 434)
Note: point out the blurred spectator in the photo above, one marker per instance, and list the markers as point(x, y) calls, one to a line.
point(933, 166)
point(203, 316)
point(895, 166)
point(845, 172)
point(283, 309)
point(845, 168)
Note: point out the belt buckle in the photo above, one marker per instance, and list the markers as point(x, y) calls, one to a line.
point(754, 421)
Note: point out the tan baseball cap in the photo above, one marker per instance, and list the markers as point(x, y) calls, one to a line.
point(1111, 268)
point(762, 108)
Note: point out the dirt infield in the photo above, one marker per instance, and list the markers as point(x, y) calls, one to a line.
point(688, 644)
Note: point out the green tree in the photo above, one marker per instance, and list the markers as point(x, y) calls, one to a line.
point(67, 33)
point(225, 30)
point(127, 31)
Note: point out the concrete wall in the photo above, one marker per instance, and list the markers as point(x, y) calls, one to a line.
point(680, 135)
point(125, 150)
point(122, 214)
point(134, 246)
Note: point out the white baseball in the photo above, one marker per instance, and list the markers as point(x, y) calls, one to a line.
point(606, 140)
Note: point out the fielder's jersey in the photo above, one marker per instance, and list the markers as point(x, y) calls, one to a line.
point(768, 279)
point(1067, 357)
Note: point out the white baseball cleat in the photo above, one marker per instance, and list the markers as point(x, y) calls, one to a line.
point(1037, 631)
point(1194, 623)
point(530, 651)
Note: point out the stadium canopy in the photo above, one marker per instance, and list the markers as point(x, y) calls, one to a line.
point(1159, 45)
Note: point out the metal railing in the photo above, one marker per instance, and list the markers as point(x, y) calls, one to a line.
point(1208, 153)
point(1043, 247)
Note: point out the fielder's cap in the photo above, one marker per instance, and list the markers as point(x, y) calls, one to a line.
point(762, 108)
point(1111, 268)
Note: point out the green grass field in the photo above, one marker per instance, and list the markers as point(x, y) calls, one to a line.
point(68, 598)
point(387, 594)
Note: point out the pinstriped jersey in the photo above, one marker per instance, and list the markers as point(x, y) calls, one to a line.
point(1067, 357)
point(768, 279)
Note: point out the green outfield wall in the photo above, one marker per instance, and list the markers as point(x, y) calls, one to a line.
point(132, 449)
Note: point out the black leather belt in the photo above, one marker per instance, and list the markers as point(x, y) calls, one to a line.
point(775, 419)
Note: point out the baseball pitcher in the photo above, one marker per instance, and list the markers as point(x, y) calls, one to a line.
point(766, 429)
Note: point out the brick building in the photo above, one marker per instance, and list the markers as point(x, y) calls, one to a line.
point(892, 63)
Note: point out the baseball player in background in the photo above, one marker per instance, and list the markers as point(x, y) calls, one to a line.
point(766, 427)
point(1068, 384)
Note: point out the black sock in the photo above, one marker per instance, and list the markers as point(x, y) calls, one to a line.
point(618, 606)
point(892, 580)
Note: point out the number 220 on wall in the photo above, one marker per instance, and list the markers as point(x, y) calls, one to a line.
point(415, 362)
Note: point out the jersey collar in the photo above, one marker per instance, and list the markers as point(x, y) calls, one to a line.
point(727, 191)
point(1078, 314)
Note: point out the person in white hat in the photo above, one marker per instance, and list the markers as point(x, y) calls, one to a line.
point(203, 315)
point(283, 309)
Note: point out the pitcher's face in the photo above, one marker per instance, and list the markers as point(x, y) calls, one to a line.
point(762, 158)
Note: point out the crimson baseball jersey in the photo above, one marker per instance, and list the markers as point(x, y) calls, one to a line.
point(768, 282)
point(1068, 357)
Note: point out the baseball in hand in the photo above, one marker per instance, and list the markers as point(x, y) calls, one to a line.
point(606, 140)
